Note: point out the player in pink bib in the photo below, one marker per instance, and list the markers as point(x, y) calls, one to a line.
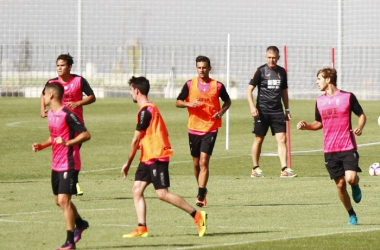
point(67, 132)
point(333, 114)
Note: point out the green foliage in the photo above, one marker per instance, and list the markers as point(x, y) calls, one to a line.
point(244, 213)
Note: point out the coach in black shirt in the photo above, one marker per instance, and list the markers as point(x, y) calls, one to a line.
point(271, 81)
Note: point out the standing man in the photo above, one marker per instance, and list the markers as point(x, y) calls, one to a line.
point(200, 96)
point(67, 132)
point(74, 86)
point(333, 114)
point(271, 81)
point(152, 138)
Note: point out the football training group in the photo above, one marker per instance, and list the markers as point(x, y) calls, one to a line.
point(202, 96)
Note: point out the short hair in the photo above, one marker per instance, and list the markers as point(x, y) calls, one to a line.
point(66, 57)
point(273, 49)
point(140, 83)
point(202, 59)
point(55, 88)
point(329, 72)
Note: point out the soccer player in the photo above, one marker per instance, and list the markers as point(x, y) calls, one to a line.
point(333, 114)
point(200, 96)
point(271, 81)
point(67, 132)
point(152, 138)
point(74, 86)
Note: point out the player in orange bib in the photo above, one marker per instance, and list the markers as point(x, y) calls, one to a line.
point(200, 96)
point(152, 138)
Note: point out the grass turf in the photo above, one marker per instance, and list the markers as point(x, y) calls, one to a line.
point(244, 213)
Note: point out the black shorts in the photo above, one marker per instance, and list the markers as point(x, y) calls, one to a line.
point(338, 163)
point(276, 122)
point(64, 182)
point(157, 173)
point(202, 143)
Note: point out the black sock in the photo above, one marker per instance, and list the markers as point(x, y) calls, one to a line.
point(254, 167)
point(201, 193)
point(70, 236)
point(351, 212)
point(283, 168)
point(193, 213)
point(142, 224)
point(79, 221)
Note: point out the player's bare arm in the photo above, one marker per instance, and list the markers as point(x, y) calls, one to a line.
point(184, 104)
point(252, 107)
point(302, 125)
point(43, 107)
point(88, 100)
point(220, 113)
point(132, 152)
point(38, 147)
point(285, 100)
point(82, 137)
point(362, 120)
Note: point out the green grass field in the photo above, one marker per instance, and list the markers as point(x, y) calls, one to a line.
point(244, 213)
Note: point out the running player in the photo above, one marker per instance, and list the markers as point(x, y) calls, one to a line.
point(67, 132)
point(152, 138)
point(333, 114)
point(200, 96)
point(271, 81)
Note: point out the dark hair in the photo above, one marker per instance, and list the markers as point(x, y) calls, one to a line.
point(67, 58)
point(274, 49)
point(140, 83)
point(56, 88)
point(329, 72)
point(203, 59)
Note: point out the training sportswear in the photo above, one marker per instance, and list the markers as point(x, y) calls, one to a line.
point(66, 125)
point(335, 114)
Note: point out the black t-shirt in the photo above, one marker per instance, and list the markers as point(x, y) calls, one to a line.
point(143, 119)
point(270, 84)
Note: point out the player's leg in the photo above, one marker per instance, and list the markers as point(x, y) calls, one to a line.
point(256, 149)
point(63, 190)
point(260, 129)
point(352, 178)
point(204, 170)
point(345, 199)
point(342, 192)
point(64, 201)
point(142, 180)
point(197, 168)
point(207, 147)
point(195, 151)
point(336, 170)
point(351, 167)
point(281, 148)
point(139, 200)
point(161, 182)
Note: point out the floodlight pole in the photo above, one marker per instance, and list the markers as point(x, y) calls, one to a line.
point(228, 89)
